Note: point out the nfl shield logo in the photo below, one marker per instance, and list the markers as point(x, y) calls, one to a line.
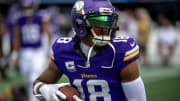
point(70, 66)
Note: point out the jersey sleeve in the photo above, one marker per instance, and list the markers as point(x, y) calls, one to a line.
point(59, 48)
point(54, 51)
point(131, 52)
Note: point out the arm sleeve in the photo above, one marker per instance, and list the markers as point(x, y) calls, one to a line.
point(134, 90)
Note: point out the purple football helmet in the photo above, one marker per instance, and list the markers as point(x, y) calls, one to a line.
point(84, 10)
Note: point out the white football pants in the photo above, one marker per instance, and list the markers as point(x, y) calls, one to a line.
point(32, 63)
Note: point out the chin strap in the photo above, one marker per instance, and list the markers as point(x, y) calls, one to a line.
point(114, 53)
point(88, 51)
point(87, 65)
point(89, 55)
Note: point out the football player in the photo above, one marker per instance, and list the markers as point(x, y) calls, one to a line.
point(100, 66)
point(28, 43)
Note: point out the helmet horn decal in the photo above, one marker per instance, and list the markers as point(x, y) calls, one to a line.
point(79, 7)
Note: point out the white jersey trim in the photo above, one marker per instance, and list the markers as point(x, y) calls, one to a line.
point(132, 50)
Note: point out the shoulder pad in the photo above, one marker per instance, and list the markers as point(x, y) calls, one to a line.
point(60, 45)
point(126, 45)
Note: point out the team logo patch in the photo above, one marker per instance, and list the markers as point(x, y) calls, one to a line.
point(70, 66)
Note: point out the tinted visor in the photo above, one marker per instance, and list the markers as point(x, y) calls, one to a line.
point(102, 21)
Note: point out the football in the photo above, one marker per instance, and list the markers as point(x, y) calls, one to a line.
point(69, 91)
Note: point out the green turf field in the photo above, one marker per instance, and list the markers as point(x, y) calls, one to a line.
point(162, 84)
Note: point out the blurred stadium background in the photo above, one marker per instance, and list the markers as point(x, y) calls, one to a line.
point(162, 81)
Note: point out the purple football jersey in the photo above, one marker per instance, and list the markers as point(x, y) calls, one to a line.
point(30, 31)
point(100, 81)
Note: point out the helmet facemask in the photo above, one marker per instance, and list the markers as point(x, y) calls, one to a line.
point(101, 27)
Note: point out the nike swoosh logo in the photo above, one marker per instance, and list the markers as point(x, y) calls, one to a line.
point(132, 44)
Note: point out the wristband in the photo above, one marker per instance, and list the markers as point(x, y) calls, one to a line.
point(36, 86)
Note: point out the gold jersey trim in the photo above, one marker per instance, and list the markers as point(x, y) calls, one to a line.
point(52, 57)
point(131, 55)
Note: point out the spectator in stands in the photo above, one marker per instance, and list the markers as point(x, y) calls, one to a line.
point(167, 39)
point(144, 28)
point(121, 23)
point(130, 23)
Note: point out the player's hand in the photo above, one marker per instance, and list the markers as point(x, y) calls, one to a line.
point(51, 93)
